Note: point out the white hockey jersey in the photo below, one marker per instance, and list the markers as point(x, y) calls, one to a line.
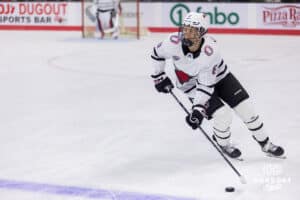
point(105, 5)
point(196, 72)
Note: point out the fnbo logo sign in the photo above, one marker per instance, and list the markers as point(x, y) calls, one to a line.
point(216, 17)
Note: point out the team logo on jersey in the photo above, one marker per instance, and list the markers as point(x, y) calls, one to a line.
point(176, 58)
point(182, 76)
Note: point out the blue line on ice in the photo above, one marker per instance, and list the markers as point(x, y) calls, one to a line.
point(81, 191)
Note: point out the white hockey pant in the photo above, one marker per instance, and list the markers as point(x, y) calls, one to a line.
point(108, 23)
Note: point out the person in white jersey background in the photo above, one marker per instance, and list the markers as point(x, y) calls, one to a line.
point(106, 14)
point(203, 75)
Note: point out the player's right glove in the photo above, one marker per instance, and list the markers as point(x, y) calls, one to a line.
point(162, 82)
point(194, 119)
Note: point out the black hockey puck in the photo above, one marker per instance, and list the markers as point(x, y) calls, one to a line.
point(229, 189)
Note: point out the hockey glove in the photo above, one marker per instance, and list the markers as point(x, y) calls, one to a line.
point(162, 83)
point(194, 119)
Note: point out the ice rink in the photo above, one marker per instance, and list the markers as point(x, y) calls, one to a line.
point(80, 119)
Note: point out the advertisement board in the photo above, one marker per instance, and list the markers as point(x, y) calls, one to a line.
point(219, 15)
point(30, 14)
point(278, 16)
point(158, 17)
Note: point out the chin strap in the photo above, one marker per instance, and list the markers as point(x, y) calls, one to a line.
point(187, 42)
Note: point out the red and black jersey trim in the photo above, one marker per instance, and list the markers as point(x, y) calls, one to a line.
point(182, 76)
point(221, 63)
point(223, 72)
point(204, 91)
point(158, 75)
point(156, 57)
point(155, 52)
point(187, 91)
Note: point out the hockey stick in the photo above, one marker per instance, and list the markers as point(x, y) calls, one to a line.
point(242, 179)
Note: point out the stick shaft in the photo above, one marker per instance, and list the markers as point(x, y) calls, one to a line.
point(209, 139)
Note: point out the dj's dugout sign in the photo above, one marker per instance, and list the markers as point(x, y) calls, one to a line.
point(40, 16)
point(157, 17)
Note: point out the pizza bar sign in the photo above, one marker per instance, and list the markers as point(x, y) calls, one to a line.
point(287, 16)
point(32, 12)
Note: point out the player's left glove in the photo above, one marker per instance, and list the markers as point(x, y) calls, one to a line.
point(162, 83)
point(194, 119)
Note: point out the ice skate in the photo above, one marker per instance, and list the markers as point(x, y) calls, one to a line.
point(271, 149)
point(230, 150)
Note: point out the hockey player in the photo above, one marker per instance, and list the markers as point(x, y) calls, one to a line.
point(203, 75)
point(107, 17)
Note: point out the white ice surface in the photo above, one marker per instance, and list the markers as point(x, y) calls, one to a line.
point(85, 113)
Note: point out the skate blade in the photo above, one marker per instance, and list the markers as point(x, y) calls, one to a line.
point(238, 159)
point(272, 156)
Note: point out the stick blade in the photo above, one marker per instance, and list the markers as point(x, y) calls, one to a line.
point(243, 180)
